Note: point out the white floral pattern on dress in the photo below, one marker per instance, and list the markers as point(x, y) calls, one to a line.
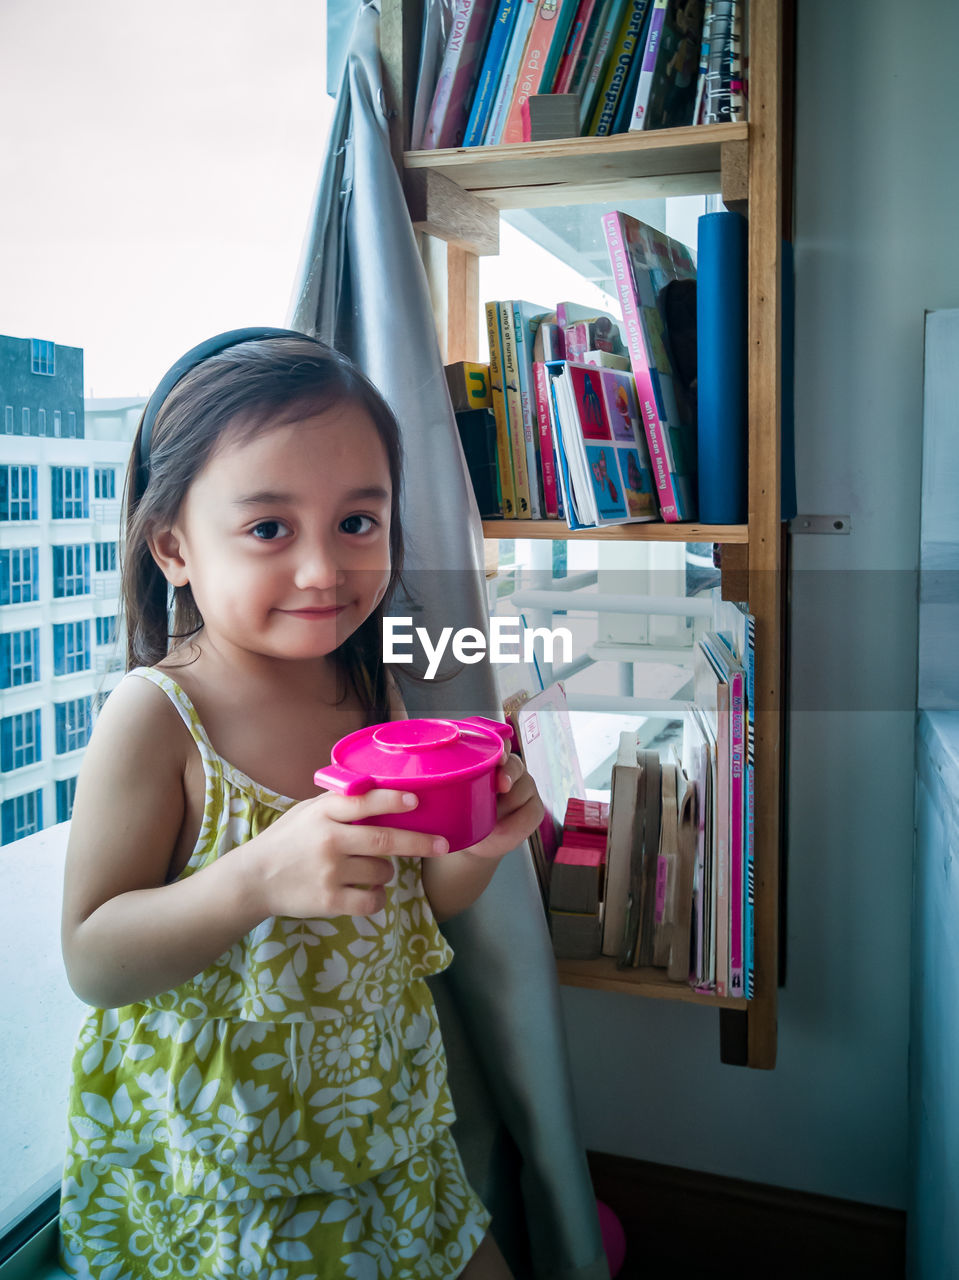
point(285, 1114)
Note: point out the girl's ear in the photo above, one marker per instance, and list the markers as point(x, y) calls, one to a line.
point(166, 551)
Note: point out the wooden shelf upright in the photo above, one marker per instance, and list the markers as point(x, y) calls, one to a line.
point(455, 197)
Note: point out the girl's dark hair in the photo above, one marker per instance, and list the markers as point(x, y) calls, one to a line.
point(275, 379)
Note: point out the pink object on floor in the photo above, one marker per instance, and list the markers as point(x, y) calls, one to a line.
point(614, 1237)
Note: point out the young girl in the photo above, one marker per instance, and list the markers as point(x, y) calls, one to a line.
point(260, 1089)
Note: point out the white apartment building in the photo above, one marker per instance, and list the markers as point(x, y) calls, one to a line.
point(60, 498)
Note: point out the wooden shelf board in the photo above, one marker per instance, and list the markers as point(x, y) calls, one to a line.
point(526, 175)
point(653, 531)
point(603, 975)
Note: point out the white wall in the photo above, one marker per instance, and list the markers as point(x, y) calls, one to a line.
point(877, 186)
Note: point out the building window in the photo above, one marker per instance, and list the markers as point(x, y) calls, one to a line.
point(25, 421)
point(57, 423)
point(19, 658)
point(19, 575)
point(71, 571)
point(43, 357)
point(107, 630)
point(71, 647)
point(71, 493)
point(18, 493)
point(104, 482)
point(71, 425)
point(19, 740)
point(73, 723)
point(66, 790)
point(21, 816)
point(41, 422)
point(8, 419)
point(106, 557)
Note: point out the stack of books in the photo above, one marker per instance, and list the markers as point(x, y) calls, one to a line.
point(625, 64)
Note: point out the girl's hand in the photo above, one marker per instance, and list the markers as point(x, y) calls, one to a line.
point(313, 861)
point(519, 810)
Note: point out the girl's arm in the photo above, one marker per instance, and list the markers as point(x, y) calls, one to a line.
point(454, 882)
point(127, 934)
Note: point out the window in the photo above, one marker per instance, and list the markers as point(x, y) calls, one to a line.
point(71, 425)
point(66, 790)
point(24, 421)
point(8, 419)
point(106, 557)
point(21, 816)
point(104, 482)
point(19, 740)
point(19, 658)
point(57, 423)
point(18, 493)
point(41, 422)
point(19, 575)
point(71, 571)
point(107, 630)
point(70, 493)
point(42, 356)
point(73, 722)
point(71, 647)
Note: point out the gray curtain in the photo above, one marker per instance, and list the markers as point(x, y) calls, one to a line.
point(362, 288)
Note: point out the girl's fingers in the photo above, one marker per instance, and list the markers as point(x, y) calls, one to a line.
point(369, 805)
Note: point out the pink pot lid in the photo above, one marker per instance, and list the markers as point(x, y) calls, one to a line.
point(422, 751)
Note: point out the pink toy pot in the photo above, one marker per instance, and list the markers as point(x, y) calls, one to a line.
point(450, 765)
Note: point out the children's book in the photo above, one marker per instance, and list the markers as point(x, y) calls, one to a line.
point(491, 68)
point(549, 751)
point(541, 56)
point(509, 76)
point(604, 478)
point(699, 103)
point(644, 261)
point(527, 317)
point(731, 672)
point(459, 71)
point(719, 64)
point(503, 453)
point(672, 92)
point(647, 69)
point(625, 47)
point(599, 59)
point(544, 427)
point(574, 43)
point(696, 764)
point(519, 444)
point(624, 815)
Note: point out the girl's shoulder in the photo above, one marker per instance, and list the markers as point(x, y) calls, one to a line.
point(138, 716)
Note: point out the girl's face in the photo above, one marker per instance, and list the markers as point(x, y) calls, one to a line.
point(284, 537)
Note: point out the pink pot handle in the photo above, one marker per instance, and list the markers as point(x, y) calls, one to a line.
point(505, 731)
point(343, 781)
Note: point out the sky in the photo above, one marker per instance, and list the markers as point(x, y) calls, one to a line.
point(158, 163)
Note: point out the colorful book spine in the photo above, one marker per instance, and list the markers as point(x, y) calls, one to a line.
point(749, 925)
point(545, 434)
point(599, 60)
point(550, 26)
point(488, 79)
point(718, 103)
point(737, 87)
point(624, 109)
point(648, 68)
point(577, 34)
point(526, 319)
point(503, 457)
point(514, 411)
point(624, 50)
point(509, 76)
point(676, 500)
point(699, 106)
point(446, 123)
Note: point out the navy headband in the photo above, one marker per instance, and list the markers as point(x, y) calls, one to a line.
point(196, 355)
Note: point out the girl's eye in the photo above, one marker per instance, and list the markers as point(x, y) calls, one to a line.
point(357, 524)
point(267, 530)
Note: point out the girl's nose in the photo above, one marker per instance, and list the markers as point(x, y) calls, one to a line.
point(318, 569)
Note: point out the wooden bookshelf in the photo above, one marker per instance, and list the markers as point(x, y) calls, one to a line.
point(455, 197)
point(654, 531)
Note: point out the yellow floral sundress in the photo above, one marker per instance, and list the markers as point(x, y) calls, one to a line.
point(284, 1115)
